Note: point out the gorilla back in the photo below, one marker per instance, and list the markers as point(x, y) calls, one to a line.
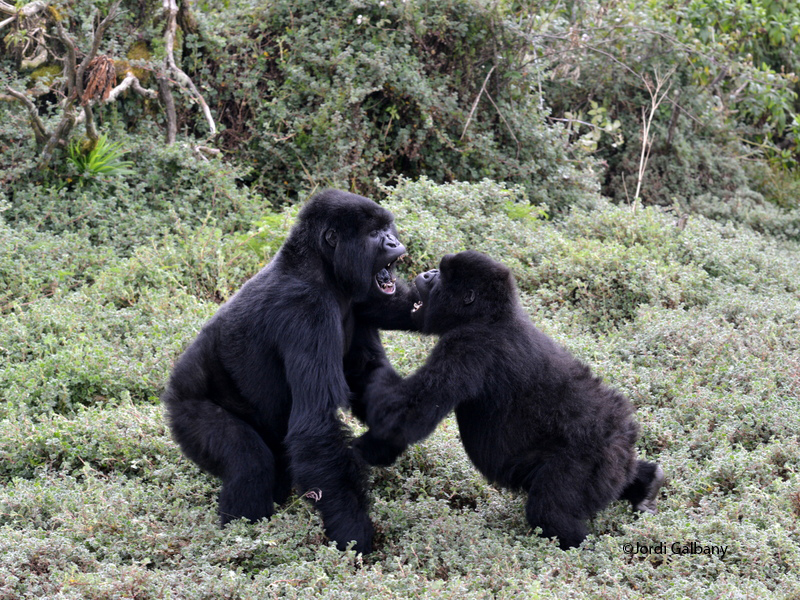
point(253, 400)
point(531, 416)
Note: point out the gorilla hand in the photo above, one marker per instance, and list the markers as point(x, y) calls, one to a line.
point(376, 451)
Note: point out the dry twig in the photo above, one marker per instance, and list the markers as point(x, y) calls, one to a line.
point(171, 10)
point(657, 96)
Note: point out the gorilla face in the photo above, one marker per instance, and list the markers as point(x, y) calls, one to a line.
point(424, 283)
point(358, 237)
point(388, 250)
point(467, 287)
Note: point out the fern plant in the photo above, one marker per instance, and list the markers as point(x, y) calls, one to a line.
point(104, 158)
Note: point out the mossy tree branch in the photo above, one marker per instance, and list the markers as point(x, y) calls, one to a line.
point(90, 82)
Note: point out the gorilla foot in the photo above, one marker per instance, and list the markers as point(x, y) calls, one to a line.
point(248, 498)
point(360, 531)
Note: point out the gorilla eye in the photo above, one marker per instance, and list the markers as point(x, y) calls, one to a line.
point(376, 232)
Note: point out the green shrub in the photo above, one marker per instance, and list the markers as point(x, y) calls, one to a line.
point(751, 209)
point(433, 220)
point(116, 437)
point(170, 189)
point(97, 501)
point(728, 71)
point(37, 264)
point(79, 349)
point(606, 262)
point(341, 94)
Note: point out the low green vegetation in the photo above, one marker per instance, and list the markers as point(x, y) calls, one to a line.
point(699, 326)
point(635, 164)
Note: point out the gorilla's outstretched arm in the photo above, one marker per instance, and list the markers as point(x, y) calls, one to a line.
point(389, 312)
point(367, 355)
point(401, 411)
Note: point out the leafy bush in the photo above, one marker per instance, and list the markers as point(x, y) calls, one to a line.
point(35, 264)
point(170, 189)
point(97, 501)
point(341, 93)
point(728, 92)
point(79, 349)
point(606, 262)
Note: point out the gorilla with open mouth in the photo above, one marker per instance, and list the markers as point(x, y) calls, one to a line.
point(254, 399)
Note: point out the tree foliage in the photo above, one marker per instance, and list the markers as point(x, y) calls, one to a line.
point(667, 101)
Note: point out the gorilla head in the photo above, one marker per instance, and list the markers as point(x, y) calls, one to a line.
point(355, 237)
point(468, 287)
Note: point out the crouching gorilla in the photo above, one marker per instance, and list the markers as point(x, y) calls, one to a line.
point(253, 400)
point(531, 416)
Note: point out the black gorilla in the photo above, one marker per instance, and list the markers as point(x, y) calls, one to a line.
point(253, 400)
point(531, 416)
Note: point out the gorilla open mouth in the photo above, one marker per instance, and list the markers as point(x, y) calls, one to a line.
point(385, 278)
point(417, 306)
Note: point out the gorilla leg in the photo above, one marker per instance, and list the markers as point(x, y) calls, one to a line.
point(642, 492)
point(556, 504)
point(283, 478)
point(328, 472)
point(227, 447)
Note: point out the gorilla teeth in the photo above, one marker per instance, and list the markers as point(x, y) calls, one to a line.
point(386, 281)
point(417, 306)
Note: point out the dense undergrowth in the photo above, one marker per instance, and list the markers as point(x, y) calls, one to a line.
point(699, 326)
point(687, 298)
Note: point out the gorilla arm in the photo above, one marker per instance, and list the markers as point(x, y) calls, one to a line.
point(401, 411)
point(317, 441)
point(366, 354)
point(389, 311)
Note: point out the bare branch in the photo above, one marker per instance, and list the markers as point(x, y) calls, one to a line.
point(202, 151)
point(39, 130)
point(70, 62)
point(511, 131)
point(475, 104)
point(130, 81)
point(656, 98)
point(58, 138)
point(36, 61)
point(171, 9)
point(169, 108)
point(26, 11)
point(91, 131)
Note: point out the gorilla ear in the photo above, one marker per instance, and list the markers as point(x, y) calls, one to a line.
point(469, 297)
point(331, 237)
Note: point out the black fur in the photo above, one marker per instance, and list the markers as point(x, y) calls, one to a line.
point(531, 416)
point(254, 399)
